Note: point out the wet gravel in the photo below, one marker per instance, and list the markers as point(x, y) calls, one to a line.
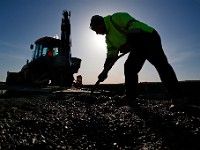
point(80, 121)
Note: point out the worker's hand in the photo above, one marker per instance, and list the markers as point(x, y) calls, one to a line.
point(125, 48)
point(102, 76)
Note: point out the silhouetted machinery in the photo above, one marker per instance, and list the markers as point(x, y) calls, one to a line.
point(51, 62)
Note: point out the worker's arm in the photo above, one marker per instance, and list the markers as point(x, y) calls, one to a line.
point(112, 53)
point(107, 66)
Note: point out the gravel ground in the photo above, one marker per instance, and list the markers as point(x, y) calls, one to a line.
point(80, 121)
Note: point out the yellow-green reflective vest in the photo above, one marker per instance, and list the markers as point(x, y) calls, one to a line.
point(118, 28)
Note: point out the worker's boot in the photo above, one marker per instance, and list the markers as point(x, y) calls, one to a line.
point(178, 104)
point(124, 101)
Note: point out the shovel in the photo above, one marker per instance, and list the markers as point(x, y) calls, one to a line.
point(106, 71)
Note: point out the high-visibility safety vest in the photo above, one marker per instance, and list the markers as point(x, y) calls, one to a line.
point(118, 26)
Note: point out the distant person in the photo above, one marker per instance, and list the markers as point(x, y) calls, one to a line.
point(50, 52)
point(126, 34)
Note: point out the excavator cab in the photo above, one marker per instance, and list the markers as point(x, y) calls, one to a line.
point(46, 46)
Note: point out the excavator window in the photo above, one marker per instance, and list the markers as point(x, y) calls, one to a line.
point(35, 53)
point(55, 51)
point(50, 51)
point(41, 50)
point(45, 51)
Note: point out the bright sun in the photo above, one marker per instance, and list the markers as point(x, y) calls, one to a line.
point(99, 41)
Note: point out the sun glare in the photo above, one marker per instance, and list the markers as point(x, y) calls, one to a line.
point(99, 41)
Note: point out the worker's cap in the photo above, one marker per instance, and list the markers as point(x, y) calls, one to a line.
point(96, 20)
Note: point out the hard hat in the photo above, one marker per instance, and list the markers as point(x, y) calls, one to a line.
point(96, 20)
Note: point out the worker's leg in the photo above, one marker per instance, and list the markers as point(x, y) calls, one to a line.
point(132, 67)
point(134, 64)
point(167, 75)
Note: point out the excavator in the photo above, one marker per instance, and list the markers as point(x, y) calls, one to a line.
point(52, 63)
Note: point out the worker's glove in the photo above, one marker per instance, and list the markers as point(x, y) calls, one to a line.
point(102, 76)
point(125, 48)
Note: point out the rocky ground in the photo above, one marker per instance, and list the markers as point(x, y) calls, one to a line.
point(79, 121)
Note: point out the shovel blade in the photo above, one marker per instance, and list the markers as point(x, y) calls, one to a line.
point(95, 86)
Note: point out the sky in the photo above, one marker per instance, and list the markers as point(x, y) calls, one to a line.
point(177, 21)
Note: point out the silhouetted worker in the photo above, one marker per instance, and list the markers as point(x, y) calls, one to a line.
point(126, 34)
